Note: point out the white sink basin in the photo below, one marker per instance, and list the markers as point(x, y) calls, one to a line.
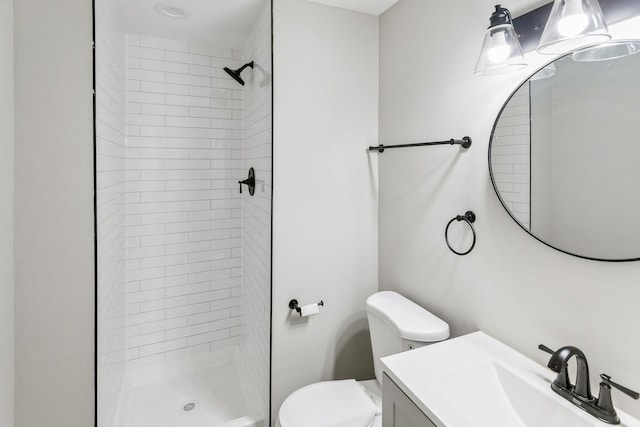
point(477, 381)
point(495, 396)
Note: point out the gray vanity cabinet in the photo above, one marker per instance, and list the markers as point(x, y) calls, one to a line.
point(398, 410)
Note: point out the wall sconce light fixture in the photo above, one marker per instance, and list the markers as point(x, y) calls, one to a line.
point(573, 24)
point(501, 51)
point(570, 25)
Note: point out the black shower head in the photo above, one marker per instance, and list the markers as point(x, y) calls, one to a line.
point(236, 73)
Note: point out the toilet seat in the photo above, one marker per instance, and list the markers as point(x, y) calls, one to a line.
point(328, 404)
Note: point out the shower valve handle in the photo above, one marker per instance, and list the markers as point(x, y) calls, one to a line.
point(250, 182)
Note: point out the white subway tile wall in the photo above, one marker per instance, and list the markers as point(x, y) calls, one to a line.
point(110, 214)
point(184, 211)
point(256, 244)
point(511, 156)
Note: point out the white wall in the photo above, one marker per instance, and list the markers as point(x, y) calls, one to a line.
point(511, 286)
point(6, 213)
point(325, 195)
point(54, 247)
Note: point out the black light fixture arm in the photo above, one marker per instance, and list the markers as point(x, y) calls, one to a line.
point(465, 142)
point(501, 16)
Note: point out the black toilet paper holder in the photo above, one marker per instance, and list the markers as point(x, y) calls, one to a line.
point(294, 305)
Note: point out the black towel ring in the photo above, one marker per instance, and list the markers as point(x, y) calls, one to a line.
point(469, 217)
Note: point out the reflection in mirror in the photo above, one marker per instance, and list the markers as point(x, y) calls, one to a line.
point(565, 154)
point(606, 52)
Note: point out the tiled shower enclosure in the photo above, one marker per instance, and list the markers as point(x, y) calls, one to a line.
point(184, 259)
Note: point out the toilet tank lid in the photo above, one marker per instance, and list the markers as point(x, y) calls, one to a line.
point(408, 319)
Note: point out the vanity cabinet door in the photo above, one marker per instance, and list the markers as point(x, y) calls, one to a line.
point(398, 410)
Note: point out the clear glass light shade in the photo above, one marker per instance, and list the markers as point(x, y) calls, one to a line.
point(501, 51)
point(573, 24)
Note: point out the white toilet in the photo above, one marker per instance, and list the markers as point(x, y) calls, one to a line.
point(396, 324)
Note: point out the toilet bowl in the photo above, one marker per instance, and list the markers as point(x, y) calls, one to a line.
point(396, 324)
point(343, 403)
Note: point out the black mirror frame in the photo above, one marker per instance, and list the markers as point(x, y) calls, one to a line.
point(493, 182)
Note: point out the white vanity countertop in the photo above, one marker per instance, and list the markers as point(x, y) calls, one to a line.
point(476, 381)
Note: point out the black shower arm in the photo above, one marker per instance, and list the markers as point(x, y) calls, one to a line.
point(248, 64)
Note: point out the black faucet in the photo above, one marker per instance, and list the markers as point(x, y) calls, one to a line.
point(558, 364)
point(580, 394)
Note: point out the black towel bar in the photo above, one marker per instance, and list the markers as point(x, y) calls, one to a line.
point(465, 142)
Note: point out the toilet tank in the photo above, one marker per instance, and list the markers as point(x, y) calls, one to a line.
point(398, 324)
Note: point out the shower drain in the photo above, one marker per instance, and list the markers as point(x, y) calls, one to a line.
point(191, 406)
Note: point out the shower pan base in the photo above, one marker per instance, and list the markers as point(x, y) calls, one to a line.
point(205, 391)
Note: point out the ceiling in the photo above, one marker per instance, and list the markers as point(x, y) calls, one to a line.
point(227, 23)
point(219, 23)
point(377, 7)
point(372, 7)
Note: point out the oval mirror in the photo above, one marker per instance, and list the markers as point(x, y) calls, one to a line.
point(564, 155)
